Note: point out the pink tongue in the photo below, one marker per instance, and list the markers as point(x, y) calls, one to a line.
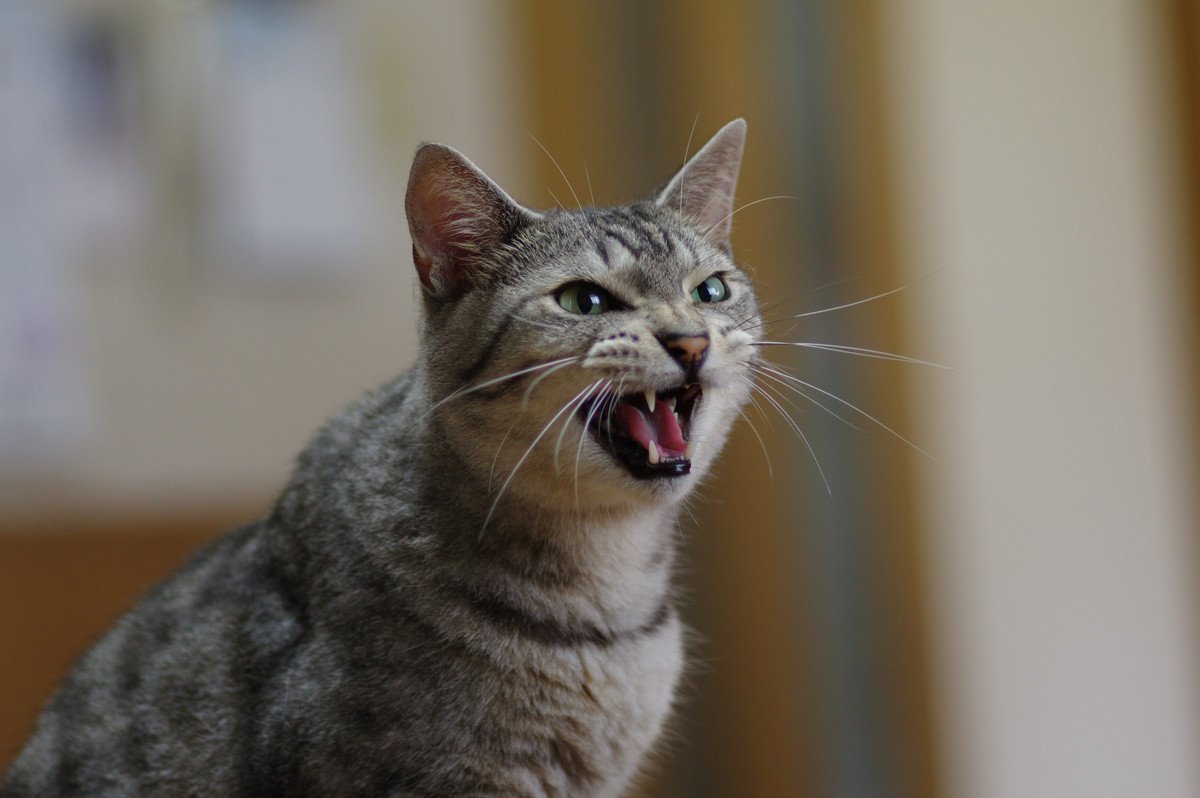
point(659, 426)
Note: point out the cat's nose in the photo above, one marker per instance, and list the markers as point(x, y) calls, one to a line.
point(689, 350)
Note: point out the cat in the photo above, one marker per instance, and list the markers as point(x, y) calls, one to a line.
point(465, 586)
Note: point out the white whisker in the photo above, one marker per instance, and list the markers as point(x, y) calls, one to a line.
point(571, 188)
point(612, 406)
point(796, 428)
point(854, 350)
point(764, 373)
point(855, 408)
point(783, 300)
point(761, 444)
point(844, 306)
point(587, 423)
point(686, 148)
point(538, 379)
point(496, 457)
point(528, 451)
point(749, 383)
point(731, 214)
point(511, 375)
point(566, 425)
point(588, 177)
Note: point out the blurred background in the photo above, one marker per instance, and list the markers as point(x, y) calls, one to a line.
point(971, 581)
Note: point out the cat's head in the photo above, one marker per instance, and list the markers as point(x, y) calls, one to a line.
point(589, 357)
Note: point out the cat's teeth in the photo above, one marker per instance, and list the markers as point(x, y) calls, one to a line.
point(670, 403)
point(652, 453)
point(688, 451)
point(650, 400)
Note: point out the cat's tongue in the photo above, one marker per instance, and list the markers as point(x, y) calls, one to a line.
point(658, 426)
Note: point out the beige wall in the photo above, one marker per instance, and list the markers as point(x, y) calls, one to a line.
point(202, 385)
point(1037, 190)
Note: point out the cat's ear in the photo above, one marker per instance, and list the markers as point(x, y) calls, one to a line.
point(702, 190)
point(456, 215)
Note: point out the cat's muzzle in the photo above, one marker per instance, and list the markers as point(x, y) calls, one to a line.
point(646, 431)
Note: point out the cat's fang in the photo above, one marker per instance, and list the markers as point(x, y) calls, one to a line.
point(645, 431)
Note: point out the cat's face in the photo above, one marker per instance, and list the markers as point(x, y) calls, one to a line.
point(585, 358)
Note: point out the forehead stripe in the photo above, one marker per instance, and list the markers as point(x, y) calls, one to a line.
point(620, 239)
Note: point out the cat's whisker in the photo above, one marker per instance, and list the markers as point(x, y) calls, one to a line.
point(794, 379)
point(520, 462)
point(612, 407)
point(816, 402)
point(857, 351)
point(686, 507)
point(749, 383)
point(796, 428)
point(587, 423)
point(731, 214)
point(538, 379)
point(554, 161)
point(761, 444)
point(566, 424)
point(588, 177)
point(495, 381)
point(843, 306)
point(686, 148)
point(554, 197)
point(496, 457)
point(757, 313)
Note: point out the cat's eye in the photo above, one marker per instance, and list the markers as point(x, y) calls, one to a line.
point(711, 290)
point(586, 299)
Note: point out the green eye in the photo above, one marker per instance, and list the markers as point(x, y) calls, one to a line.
point(711, 290)
point(585, 299)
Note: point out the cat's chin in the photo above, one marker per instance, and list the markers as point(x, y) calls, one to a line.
point(646, 432)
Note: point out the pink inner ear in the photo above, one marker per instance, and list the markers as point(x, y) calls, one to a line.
point(438, 223)
point(702, 190)
point(434, 220)
point(707, 199)
point(454, 215)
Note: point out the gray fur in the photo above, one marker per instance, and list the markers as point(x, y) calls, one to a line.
point(394, 628)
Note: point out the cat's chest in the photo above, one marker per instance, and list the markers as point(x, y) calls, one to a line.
point(600, 709)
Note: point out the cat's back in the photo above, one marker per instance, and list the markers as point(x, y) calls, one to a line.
point(162, 701)
point(177, 692)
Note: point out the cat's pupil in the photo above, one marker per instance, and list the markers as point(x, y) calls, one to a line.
point(584, 298)
point(711, 290)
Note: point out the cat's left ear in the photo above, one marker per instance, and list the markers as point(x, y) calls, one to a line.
point(702, 190)
point(457, 217)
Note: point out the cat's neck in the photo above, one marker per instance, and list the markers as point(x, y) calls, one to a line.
point(609, 565)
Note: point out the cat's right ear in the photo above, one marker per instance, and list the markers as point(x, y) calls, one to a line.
point(456, 215)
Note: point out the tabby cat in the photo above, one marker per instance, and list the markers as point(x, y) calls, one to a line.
point(464, 588)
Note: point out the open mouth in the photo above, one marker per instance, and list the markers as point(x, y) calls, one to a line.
point(647, 431)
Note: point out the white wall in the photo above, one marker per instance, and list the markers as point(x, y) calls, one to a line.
point(1036, 187)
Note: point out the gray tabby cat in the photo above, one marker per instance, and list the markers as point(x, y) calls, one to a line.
point(465, 587)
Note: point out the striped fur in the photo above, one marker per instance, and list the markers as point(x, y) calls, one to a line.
point(459, 592)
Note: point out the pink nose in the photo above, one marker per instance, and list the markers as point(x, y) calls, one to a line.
point(688, 350)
